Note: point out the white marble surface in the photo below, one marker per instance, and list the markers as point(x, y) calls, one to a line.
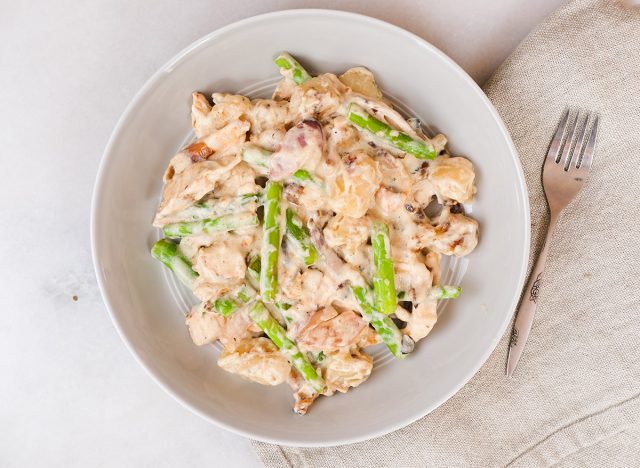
point(70, 393)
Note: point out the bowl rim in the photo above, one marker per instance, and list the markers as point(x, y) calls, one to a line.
point(99, 193)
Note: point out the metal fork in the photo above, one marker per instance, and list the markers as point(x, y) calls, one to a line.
point(565, 170)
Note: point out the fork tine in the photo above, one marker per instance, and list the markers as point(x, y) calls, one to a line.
point(580, 142)
point(565, 159)
point(557, 138)
point(587, 157)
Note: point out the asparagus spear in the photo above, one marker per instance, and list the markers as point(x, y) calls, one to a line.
point(215, 207)
point(302, 175)
point(383, 278)
point(277, 334)
point(402, 141)
point(444, 292)
point(290, 67)
point(253, 275)
point(270, 242)
point(298, 234)
point(382, 323)
point(212, 225)
point(169, 254)
point(398, 344)
point(225, 306)
point(257, 158)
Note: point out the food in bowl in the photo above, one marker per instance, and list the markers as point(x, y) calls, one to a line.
point(310, 226)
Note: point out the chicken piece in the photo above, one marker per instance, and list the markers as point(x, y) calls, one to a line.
point(342, 135)
point(220, 261)
point(439, 143)
point(185, 188)
point(361, 81)
point(317, 97)
point(267, 114)
point(209, 291)
point(310, 197)
point(453, 179)
point(258, 360)
point(351, 192)
point(412, 277)
point(308, 289)
point(228, 108)
point(237, 328)
point(269, 139)
point(455, 234)
point(327, 330)
point(302, 147)
point(423, 191)
point(228, 140)
point(302, 392)
point(368, 337)
point(223, 145)
point(421, 320)
point(268, 119)
point(284, 89)
point(205, 326)
point(345, 369)
point(190, 245)
point(394, 174)
point(432, 262)
point(346, 234)
point(390, 204)
point(239, 181)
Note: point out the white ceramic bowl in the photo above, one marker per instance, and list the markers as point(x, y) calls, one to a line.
point(147, 308)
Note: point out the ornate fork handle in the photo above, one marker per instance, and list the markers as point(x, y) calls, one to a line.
point(527, 309)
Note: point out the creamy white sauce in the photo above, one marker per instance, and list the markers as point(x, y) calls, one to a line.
point(357, 178)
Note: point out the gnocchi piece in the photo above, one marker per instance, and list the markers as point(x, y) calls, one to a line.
point(453, 178)
point(361, 81)
point(258, 360)
point(345, 369)
point(352, 191)
point(346, 234)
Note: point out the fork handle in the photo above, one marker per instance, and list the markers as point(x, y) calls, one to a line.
point(527, 309)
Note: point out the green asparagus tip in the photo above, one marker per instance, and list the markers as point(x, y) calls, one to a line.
point(169, 254)
point(224, 306)
point(164, 250)
point(291, 65)
point(362, 119)
point(282, 62)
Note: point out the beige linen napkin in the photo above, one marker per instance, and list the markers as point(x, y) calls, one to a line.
point(575, 397)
